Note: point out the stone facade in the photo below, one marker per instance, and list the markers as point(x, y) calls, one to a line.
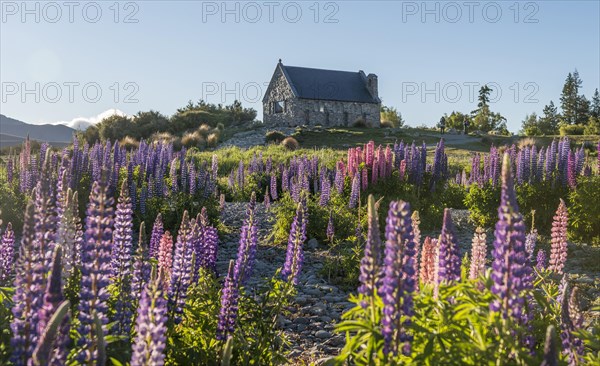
point(295, 111)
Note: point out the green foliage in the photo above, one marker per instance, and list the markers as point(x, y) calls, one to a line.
point(13, 204)
point(6, 304)
point(391, 116)
point(344, 218)
point(584, 211)
point(572, 130)
point(257, 340)
point(543, 197)
point(482, 203)
point(456, 327)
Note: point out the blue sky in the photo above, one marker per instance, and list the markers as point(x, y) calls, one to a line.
point(59, 62)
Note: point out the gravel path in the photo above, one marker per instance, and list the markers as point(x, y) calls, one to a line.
point(319, 304)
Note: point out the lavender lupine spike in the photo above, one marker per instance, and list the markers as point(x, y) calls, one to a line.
point(151, 327)
point(295, 254)
point(274, 194)
point(95, 271)
point(157, 233)
point(28, 296)
point(570, 321)
point(371, 265)
point(122, 261)
point(229, 306)
point(52, 300)
point(511, 274)
point(267, 199)
point(325, 191)
point(449, 254)
point(540, 264)
point(70, 234)
point(7, 254)
point(398, 283)
point(141, 265)
point(182, 268)
point(416, 221)
point(531, 238)
point(478, 254)
point(330, 232)
point(248, 242)
point(354, 193)
point(550, 348)
point(558, 252)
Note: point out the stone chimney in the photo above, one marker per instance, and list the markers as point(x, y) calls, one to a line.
point(372, 85)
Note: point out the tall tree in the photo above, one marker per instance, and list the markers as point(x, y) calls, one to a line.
point(530, 125)
point(595, 106)
point(548, 123)
point(575, 107)
point(483, 118)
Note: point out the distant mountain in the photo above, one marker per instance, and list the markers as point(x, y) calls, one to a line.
point(13, 131)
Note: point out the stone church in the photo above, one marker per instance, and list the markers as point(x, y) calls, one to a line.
point(304, 96)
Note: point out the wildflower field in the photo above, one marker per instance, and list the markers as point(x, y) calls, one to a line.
point(149, 255)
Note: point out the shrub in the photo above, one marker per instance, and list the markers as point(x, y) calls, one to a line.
point(203, 130)
point(482, 202)
point(164, 137)
point(584, 211)
point(387, 124)
point(212, 140)
point(359, 123)
point(572, 130)
point(290, 143)
point(129, 143)
point(220, 126)
point(274, 136)
point(193, 139)
point(527, 142)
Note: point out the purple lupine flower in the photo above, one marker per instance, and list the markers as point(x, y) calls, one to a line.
point(295, 254)
point(330, 232)
point(7, 254)
point(354, 193)
point(157, 233)
point(95, 270)
point(247, 247)
point(398, 283)
point(530, 242)
point(52, 299)
point(151, 327)
point(558, 252)
point(28, 296)
point(570, 321)
point(274, 195)
point(371, 265)
point(141, 265)
point(122, 261)
point(541, 260)
point(182, 268)
point(267, 199)
point(511, 273)
point(229, 306)
point(339, 177)
point(325, 191)
point(449, 253)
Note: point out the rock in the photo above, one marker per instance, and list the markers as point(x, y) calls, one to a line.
point(326, 319)
point(322, 334)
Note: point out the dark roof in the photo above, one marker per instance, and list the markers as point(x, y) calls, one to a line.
point(321, 84)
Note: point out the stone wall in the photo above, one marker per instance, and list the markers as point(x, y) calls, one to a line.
point(320, 112)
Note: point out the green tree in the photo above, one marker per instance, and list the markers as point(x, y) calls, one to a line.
point(548, 123)
point(483, 118)
point(456, 120)
point(147, 123)
point(575, 107)
point(595, 105)
point(390, 114)
point(115, 127)
point(530, 125)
